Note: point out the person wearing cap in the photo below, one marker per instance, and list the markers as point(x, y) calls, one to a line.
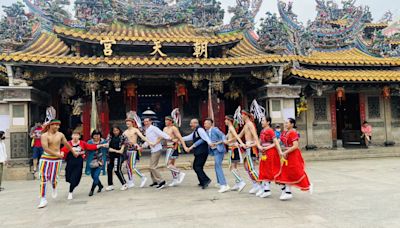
point(173, 150)
point(235, 156)
point(252, 143)
point(131, 134)
point(50, 161)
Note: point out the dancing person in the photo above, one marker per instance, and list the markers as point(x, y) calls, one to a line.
point(50, 161)
point(270, 162)
point(115, 158)
point(250, 134)
point(235, 156)
point(155, 135)
point(201, 141)
point(217, 149)
point(73, 169)
point(173, 150)
point(133, 155)
point(97, 162)
point(292, 172)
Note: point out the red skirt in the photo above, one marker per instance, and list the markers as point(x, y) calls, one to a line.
point(293, 173)
point(269, 168)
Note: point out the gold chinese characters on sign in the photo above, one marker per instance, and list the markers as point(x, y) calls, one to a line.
point(107, 46)
point(200, 49)
point(157, 49)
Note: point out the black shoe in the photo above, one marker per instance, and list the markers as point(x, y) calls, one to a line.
point(100, 188)
point(91, 193)
point(205, 185)
point(153, 184)
point(200, 185)
point(161, 185)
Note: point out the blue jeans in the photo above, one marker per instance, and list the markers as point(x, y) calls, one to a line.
point(95, 173)
point(218, 158)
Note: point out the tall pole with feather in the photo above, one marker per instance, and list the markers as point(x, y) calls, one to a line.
point(210, 104)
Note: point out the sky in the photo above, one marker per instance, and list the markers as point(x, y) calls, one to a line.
point(305, 9)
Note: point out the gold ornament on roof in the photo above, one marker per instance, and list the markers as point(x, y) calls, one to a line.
point(107, 46)
point(157, 49)
point(200, 49)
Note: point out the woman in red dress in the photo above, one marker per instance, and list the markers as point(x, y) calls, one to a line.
point(292, 166)
point(270, 163)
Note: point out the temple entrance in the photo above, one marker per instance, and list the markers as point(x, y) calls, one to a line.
point(348, 120)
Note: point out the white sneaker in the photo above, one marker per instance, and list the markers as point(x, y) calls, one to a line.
point(54, 193)
point(143, 182)
point(241, 186)
point(173, 183)
point(181, 177)
point(124, 187)
point(286, 196)
point(254, 189)
point(110, 188)
point(217, 185)
point(311, 190)
point(259, 192)
point(131, 184)
point(224, 188)
point(235, 187)
point(265, 194)
point(43, 203)
point(70, 196)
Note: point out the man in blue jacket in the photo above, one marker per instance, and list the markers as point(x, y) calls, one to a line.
point(217, 149)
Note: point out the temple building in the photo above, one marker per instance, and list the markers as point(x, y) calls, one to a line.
point(115, 56)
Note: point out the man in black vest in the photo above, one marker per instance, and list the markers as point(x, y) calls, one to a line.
point(201, 141)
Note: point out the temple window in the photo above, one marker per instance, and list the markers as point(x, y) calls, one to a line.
point(394, 104)
point(374, 110)
point(320, 111)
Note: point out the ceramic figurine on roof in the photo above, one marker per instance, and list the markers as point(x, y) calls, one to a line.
point(15, 27)
point(274, 37)
point(244, 13)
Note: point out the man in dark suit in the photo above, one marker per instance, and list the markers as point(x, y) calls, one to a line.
point(201, 141)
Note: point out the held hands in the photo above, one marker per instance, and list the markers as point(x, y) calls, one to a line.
point(61, 154)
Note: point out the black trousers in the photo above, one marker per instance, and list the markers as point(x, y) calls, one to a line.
point(118, 159)
point(73, 171)
point(198, 166)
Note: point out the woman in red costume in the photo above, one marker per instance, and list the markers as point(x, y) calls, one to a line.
point(292, 164)
point(270, 164)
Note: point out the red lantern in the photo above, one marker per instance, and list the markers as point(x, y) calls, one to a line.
point(340, 94)
point(131, 90)
point(386, 92)
point(181, 91)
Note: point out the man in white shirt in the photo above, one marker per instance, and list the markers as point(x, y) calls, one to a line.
point(154, 134)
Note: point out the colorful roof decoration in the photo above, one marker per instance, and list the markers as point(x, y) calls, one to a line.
point(123, 33)
point(349, 75)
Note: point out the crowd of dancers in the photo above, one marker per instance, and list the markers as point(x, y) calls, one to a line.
point(279, 159)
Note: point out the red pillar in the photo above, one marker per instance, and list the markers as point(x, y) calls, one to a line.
point(333, 116)
point(86, 121)
point(362, 107)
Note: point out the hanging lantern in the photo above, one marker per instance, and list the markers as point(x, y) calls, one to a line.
point(340, 94)
point(386, 92)
point(181, 91)
point(131, 90)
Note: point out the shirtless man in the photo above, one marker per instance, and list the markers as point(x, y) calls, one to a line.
point(131, 134)
point(173, 150)
point(234, 143)
point(252, 143)
point(50, 162)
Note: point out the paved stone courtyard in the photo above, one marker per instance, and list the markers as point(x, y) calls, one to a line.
point(348, 193)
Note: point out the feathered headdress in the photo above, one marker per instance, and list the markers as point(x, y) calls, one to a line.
point(238, 116)
point(257, 111)
point(50, 115)
point(176, 116)
point(132, 116)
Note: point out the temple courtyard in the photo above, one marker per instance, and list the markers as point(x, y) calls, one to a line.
point(347, 193)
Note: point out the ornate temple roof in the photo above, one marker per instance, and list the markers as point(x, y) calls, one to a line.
point(348, 75)
point(174, 34)
point(352, 57)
